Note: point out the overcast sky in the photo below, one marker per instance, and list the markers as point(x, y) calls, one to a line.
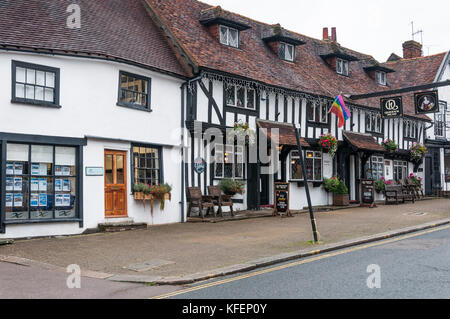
point(377, 28)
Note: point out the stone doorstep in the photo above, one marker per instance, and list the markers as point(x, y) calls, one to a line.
point(268, 261)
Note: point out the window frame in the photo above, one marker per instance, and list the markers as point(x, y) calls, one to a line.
point(373, 126)
point(236, 88)
point(286, 45)
point(381, 77)
point(408, 132)
point(378, 161)
point(297, 157)
point(228, 36)
point(234, 163)
point(160, 162)
point(322, 106)
point(148, 107)
point(25, 139)
point(439, 124)
point(400, 165)
point(344, 68)
point(37, 67)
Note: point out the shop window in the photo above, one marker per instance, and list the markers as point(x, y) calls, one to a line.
point(229, 161)
point(313, 166)
point(35, 84)
point(229, 36)
point(374, 123)
point(134, 91)
point(375, 169)
point(317, 112)
point(239, 96)
point(146, 165)
point(41, 182)
point(400, 170)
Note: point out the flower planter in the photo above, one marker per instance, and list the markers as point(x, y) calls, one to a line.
point(341, 200)
point(152, 198)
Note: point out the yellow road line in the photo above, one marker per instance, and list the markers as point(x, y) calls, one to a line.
point(293, 264)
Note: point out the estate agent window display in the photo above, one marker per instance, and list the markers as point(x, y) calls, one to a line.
point(41, 182)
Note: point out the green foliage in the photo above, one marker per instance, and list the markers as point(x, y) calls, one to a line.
point(229, 186)
point(335, 186)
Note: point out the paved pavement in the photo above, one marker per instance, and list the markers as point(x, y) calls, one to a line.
point(184, 249)
point(417, 267)
point(24, 282)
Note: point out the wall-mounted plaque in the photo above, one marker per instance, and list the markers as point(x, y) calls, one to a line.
point(199, 165)
point(392, 107)
point(426, 102)
point(94, 171)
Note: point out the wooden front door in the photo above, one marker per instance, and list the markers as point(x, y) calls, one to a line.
point(115, 184)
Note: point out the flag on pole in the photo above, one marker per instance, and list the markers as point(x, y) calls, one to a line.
point(340, 110)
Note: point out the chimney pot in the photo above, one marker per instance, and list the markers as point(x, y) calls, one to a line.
point(333, 34)
point(412, 49)
point(325, 33)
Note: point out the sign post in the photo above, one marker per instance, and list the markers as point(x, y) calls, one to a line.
point(308, 196)
point(281, 192)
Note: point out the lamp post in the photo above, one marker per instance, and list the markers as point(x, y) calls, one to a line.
point(308, 196)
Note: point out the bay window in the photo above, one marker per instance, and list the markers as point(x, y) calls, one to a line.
point(313, 166)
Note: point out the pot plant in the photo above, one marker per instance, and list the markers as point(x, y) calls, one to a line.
point(389, 145)
point(329, 142)
point(380, 185)
point(418, 152)
point(231, 186)
point(339, 189)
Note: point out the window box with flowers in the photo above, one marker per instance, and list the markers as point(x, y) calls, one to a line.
point(389, 145)
point(328, 143)
point(153, 192)
point(340, 192)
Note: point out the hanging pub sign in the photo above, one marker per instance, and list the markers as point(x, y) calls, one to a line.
point(426, 102)
point(199, 165)
point(281, 202)
point(392, 107)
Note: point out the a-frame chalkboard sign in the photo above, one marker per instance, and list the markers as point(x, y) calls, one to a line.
point(281, 199)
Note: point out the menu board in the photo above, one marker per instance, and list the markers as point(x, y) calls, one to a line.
point(281, 202)
point(367, 192)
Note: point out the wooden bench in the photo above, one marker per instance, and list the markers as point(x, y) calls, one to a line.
point(196, 199)
point(397, 193)
point(220, 200)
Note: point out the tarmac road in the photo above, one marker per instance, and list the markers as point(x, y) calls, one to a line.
point(416, 267)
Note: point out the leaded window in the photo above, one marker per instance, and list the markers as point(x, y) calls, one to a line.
point(229, 36)
point(240, 96)
point(400, 170)
point(380, 77)
point(35, 84)
point(342, 67)
point(134, 91)
point(313, 166)
point(374, 122)
point(147, 165)
point(317, 112)
point(41, 182)
point(229, 161)
point(439, 125)
point(286, 51)
point(410, 129)
point(376, 168)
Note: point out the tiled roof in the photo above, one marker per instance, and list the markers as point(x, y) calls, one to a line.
point(286, 133)
point(113, 29)
point(364, 142)
point(255, 59)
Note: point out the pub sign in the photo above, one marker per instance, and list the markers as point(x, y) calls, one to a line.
point(392, 107)
point(426, 102)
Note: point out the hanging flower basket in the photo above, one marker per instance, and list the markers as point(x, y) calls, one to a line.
point(329, 142)
point(389, 145)
point(151, 193)
point(418, 152)
point(242, 131)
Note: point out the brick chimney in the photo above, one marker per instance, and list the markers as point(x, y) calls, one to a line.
point(412, 49)
point(333, 34)
point(325, 33)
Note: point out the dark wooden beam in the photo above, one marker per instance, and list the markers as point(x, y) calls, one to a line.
point(403, 90)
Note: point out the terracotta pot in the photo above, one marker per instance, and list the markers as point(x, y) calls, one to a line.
point(341, 200)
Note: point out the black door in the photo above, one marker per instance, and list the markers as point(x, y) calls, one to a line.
point(428, 176)
point(252, 187)
point(264, 195)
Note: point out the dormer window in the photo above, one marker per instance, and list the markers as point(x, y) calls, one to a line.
point(229, 36)
point(380, 77)
point(342, 67)
point(286, 51)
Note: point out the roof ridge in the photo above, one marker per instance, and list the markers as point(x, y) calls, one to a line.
point(416, 58)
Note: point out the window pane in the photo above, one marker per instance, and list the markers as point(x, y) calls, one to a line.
point(39, 93)
point(29, 93)
point(251, 99)
point(40, 78)
point(324, 117)
point(339, 66)
point(345, 67)
point(241, 97)
point(296, 169)
point(49, 96)
point(20, 75)
point(318, 114)
point(230, 95)
point(120, 169)
point(310, 111)
point(50, 79)
point(309, 165)
point(41, 160)
point(228, 170)
point(109, 169)
point(16, 200)
point(233, 38)
point(289, 52)
point(282, 50)
point(31, 76)
point(317, 169)
point(223, 35)
point(20, 90)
